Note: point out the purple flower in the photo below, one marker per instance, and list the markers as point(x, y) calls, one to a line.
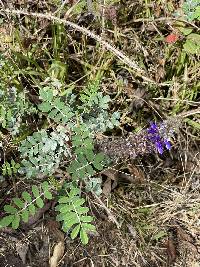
point(167, 144)
point(159, 147)
point(157, 135)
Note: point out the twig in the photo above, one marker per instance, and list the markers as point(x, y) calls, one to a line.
point(107, 210)
point(189, 113)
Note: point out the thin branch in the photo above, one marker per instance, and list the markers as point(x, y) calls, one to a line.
point(188, 113)
point(111, 216)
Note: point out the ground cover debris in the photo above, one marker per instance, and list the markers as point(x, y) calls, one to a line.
point(99, 133)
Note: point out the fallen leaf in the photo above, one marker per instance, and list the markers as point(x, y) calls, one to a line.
point(107, 187)
point(54, 229)
point(187, 240)
point(138, 99)
point(181, 233)
point(58, 252)
point(171, 250)
point(111, 173)
point(137, 173)
point(171, 38)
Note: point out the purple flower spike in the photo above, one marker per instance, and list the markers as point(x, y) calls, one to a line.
point(155, 138)
point(157, 135)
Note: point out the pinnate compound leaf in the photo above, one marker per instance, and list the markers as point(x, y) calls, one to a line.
point(42, 152)
point(70, 212)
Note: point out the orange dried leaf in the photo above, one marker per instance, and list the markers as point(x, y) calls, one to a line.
point(171, 38)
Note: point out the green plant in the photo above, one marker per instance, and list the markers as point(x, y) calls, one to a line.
point(192, 44)
point(14, 103)
point(94, 109)
point(93, 184)
point(68, 143)
point(22, 208)
point(42, 152)
point(86, 162)
point(70, 210)
point(74, 215)
point(54, 106)
point(13, 108)
point(191, 9)
point(10, 168)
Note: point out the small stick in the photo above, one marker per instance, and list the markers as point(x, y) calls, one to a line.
point(111, 216)
point(188, 113)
